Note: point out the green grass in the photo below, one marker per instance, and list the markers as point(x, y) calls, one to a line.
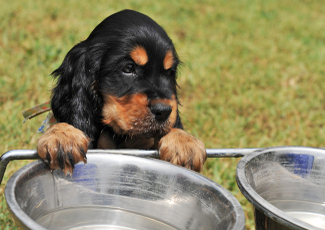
point(253, 73)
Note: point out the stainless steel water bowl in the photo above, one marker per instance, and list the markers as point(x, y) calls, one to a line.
point(286, 185)
point(120, 192)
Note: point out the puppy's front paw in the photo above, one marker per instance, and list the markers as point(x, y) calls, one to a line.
point(180, 148)
point(62, 146)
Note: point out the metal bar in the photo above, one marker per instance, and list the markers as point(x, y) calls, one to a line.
point(226, 153)
point(15, 155)
point(32, 154)
point(211, 153)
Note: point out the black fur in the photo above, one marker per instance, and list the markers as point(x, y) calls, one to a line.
point(95, 67)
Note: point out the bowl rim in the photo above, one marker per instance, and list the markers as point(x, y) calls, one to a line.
point(260, 203)
point(28, 223)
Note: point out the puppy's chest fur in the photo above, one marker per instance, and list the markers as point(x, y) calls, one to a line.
point(109, 140)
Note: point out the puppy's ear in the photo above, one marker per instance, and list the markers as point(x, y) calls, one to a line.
point(75, 98)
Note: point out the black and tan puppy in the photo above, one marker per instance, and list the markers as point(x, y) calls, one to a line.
point(117, 89)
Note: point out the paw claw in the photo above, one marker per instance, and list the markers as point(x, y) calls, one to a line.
point(60, 157)
point(83, 153)
point(71, 159)
point(47, 159)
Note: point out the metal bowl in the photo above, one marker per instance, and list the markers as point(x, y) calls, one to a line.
point(120, 192)
point(286, 185)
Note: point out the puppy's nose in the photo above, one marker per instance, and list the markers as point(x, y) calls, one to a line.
point(161, 111)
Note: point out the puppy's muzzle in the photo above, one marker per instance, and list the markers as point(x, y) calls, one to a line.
point(161, 111)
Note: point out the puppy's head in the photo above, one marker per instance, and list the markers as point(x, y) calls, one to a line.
point(134, 63)
point(123, 74)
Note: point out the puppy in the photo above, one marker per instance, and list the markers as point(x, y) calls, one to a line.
point(117, 89)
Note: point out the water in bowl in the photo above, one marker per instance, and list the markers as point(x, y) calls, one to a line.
point(99, 218)
point(309, 212)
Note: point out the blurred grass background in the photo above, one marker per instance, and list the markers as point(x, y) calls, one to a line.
point(253, 73)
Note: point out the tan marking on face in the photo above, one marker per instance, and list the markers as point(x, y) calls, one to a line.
point(168, 60)
point(131, 114)
point(139, 55)
point(122, 113)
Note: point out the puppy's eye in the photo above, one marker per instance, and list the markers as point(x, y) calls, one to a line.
point(128, 69)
